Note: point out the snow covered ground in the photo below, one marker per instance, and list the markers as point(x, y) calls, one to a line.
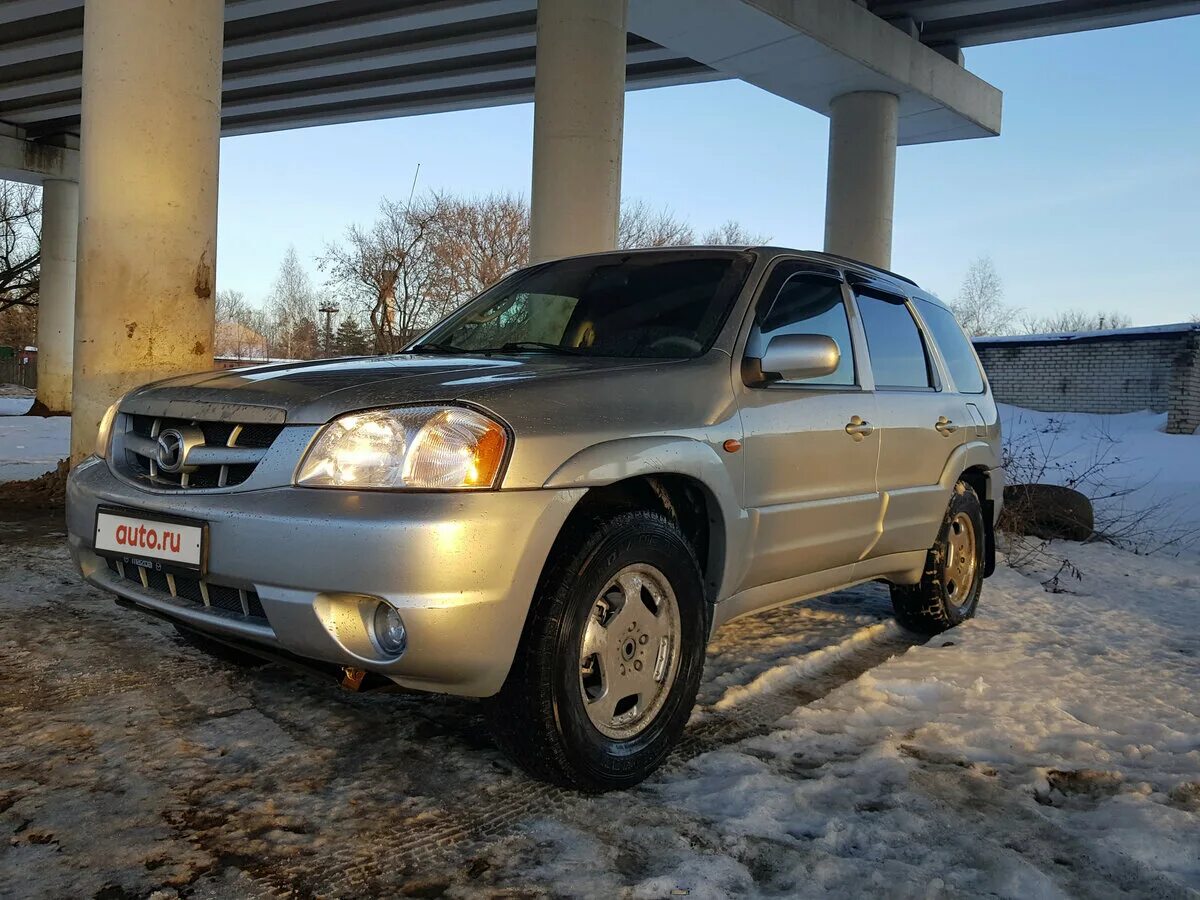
point(31, 445)
point(1144, 483)
point(15, 406)
point(1048, 748)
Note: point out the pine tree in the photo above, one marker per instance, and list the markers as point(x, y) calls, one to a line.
point(351, 339)
point(305, 339)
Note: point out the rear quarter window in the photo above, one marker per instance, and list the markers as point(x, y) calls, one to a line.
point(956, 348)
point(897, 349)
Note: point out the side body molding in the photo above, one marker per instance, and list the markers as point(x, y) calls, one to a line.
point(611, 461)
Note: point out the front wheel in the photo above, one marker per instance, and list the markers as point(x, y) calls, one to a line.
point(948, 592)
point(610, 661)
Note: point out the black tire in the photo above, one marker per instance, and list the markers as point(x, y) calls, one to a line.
point(218, 649)
point(539, 718)
point(939, 601)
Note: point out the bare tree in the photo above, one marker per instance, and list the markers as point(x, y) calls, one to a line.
point(422, 258)
point(20, 244)
point(228, 312)
point(291, 301)
point(240, 327)
point(229, 305)
point(732, 234)
point(1076, 320)
point(641, 225)
point(392, 267)
point(979, 306)
point(479, 240)
point(18, 326)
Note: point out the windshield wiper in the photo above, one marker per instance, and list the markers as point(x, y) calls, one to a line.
point(534, 346)
point(437, 348)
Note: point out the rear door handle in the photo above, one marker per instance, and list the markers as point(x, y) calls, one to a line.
point(858, 429)
point(945, 426)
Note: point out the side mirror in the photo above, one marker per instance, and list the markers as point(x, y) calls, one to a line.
point(792, 357)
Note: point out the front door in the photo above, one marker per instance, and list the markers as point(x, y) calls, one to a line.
point(920, 423)
point(810, 483)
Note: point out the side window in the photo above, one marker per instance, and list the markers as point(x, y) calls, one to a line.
point(897, 350)
point(956, 349)
point(806, 304)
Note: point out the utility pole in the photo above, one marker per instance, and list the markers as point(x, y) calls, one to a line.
point(329, 310)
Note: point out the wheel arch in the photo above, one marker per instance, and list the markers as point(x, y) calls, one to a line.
point(681, 477)
point(979, 478)
point(977, 462)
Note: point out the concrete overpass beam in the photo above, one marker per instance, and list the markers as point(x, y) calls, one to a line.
point(578, 122)
point(56, 294)
point(861, 190)
point(148, 202)
point(814, 52)
point(32, 162)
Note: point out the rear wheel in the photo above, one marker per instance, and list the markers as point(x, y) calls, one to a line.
point(949, 590)
point(608, 667)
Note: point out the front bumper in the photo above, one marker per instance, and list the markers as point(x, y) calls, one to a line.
point(461, 569)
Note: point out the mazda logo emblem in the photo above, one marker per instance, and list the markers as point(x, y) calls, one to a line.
point(170, 450)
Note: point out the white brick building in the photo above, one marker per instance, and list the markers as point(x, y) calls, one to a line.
point(1117, 371)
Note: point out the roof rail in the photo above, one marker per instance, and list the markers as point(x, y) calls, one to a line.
point(866, 265)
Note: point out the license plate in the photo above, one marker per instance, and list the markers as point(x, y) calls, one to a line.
point(165, 541)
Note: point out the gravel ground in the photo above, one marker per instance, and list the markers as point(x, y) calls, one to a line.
point(131, 763)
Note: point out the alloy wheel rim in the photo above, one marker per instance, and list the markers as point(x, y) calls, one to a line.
point(961, 560)
point(629, 652)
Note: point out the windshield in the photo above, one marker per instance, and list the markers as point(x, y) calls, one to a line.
point(645, 305)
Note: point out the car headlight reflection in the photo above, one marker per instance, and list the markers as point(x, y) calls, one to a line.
point(408, 448)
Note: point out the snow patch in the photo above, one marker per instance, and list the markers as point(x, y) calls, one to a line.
point(15, 406)
point(31, 445)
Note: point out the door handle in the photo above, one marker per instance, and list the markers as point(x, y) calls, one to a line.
point(858, 429)
point(945, 426)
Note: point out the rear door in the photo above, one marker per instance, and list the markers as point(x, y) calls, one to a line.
point(920, 421)
point(809, 484)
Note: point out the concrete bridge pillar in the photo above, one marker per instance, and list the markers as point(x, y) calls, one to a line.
point(860, 194)
point(148, 199)
point(578, 123)
point(56, 294)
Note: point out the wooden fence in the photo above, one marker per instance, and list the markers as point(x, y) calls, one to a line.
point(13, 372)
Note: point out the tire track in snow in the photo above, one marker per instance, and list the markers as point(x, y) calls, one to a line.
point(743, 712)
point(460, 796)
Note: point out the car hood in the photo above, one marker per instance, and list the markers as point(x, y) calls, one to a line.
point(315, 392)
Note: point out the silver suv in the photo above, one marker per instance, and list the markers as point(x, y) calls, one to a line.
point(553, 497)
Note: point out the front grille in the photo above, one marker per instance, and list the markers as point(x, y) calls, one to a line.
point(228, 601)
point(216, 454)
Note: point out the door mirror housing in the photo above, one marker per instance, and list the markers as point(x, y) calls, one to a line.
point(793, 357)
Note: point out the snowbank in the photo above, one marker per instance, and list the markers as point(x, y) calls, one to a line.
point(1126, 463)
point(31, 445)
point(15, 406)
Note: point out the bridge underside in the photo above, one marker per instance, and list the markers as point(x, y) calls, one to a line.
point(970, 23)
point(291, 63)
point(124, 134)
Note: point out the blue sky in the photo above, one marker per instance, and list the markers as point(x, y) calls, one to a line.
point(1090, 198)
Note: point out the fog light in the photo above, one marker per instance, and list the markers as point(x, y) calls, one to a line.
point(390, 633)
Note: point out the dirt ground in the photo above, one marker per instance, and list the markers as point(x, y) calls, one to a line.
point(132, 765)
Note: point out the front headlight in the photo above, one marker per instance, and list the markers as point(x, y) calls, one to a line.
point(409, 448)
point(104, 434)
